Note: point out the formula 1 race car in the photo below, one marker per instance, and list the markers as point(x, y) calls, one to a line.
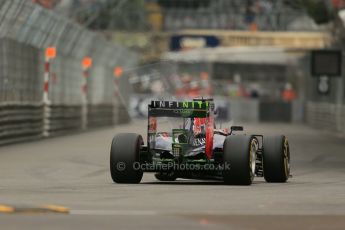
point(182, 142)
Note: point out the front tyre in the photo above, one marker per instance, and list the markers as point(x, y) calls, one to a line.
point(124, 156)
point(276, 159)
point(240, 155)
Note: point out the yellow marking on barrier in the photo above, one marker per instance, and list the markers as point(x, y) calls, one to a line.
point(56, 208)
point(34, 209)
point(6, 209)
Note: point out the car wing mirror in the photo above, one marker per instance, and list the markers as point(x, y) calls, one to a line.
point(236, 128)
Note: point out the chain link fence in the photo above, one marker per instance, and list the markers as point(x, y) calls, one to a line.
point(26, 30)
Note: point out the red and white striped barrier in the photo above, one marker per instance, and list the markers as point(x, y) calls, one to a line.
point(118, 101)
point(46, 81)
point(86, 65)
point(50, 53)
point(84, 89)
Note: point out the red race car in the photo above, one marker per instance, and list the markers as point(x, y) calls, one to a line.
point(183, 142)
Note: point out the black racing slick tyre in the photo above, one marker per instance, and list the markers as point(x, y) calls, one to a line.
point(276, 159)
point(240, 155)
point(165, 176)
point(124, 157)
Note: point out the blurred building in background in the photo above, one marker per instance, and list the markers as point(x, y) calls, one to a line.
point(148, 25)
point(168, 15)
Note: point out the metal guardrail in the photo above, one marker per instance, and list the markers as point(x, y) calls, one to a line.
point(327, 116)
point(19, 122)
point(100, 115)
point(62, 119)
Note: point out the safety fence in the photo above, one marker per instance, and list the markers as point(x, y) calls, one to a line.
point(326, 116)
point(46, 88)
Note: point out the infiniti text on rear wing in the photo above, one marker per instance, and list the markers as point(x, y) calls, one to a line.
point(179, 109)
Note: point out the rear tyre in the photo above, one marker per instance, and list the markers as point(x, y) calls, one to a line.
point(240, 155)
point(165, 176)
point(125, 157)
point(276, 159)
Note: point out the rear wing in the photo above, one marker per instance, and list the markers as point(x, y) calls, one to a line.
point(187, 109)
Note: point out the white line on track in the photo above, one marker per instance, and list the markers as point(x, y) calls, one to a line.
point(114, 212)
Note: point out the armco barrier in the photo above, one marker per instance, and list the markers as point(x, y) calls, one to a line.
point(254, 110)
point(20, 122)
point(123, 114)
point(244, 110)
point(62, 119)
point(275, 111)
point(325, 116)
point(100, 115)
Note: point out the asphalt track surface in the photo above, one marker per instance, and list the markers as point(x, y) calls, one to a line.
point(73, 171)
